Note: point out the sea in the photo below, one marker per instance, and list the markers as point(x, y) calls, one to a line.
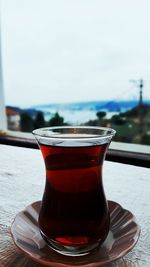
point(81, 112)
point(75, 117)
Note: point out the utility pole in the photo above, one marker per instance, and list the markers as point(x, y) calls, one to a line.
point(140, 85)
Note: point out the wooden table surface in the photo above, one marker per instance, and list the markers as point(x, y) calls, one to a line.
point(22, 178)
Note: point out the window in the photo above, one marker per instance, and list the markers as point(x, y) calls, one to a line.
point(78, 62)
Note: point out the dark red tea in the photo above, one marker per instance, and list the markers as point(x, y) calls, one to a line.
point(74, 210)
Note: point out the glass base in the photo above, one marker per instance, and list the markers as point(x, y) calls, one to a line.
point(70, 250)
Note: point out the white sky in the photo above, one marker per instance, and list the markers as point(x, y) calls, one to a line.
point(74, 50)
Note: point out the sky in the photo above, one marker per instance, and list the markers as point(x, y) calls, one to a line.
point(74, 50)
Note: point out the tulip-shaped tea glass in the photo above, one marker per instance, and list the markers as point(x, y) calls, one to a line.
point(74, 215)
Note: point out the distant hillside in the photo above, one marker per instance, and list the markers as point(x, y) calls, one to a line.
point(111, 106)
point(145, 109)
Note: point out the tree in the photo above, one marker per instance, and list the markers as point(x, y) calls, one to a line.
point(145, 139)
point(101, 114)
point(118, 120)
point(39, 121)
point(26, 122)
point(56, 120)
point(101, 118)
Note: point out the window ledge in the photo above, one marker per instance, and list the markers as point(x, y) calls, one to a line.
point(133, 154)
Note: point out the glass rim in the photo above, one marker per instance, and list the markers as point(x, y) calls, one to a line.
point(105, 132)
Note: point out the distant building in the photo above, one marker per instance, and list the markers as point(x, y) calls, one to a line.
point(13, 119)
